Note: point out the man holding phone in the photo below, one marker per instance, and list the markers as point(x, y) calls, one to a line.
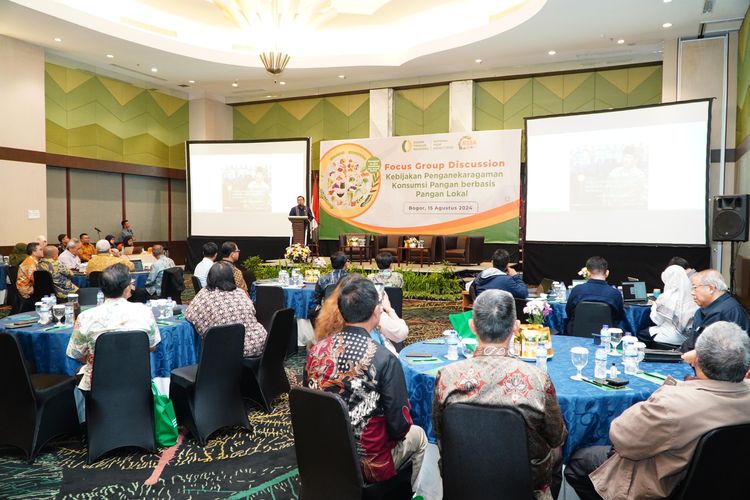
point(500, 277)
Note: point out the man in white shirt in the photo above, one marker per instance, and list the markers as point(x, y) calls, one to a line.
point(210, 250)
point(69, 258)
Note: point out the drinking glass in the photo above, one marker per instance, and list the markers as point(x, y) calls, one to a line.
point(614, 340)
point(641, 348)
point(58, 311)
point(38, 309)
point(580, 358)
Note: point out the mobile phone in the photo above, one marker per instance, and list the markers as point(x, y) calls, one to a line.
point(419, 355)
point(617, 382)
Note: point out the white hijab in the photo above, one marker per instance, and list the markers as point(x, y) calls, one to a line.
point(676, 302)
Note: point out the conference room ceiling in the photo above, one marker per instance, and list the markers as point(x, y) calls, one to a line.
point(210, 47)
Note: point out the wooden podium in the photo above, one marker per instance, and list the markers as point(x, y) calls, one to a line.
point(299, 229)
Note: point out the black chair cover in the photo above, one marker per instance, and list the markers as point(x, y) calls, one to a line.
point(268, 300)
point(589, 318)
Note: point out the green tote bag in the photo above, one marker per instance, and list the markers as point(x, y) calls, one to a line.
point(165, 421)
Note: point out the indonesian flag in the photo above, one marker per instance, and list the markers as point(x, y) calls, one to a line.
point(315, 200)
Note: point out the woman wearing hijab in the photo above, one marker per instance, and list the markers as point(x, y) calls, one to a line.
point(673, 311)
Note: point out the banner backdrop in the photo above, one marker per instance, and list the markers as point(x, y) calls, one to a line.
point(459, 183)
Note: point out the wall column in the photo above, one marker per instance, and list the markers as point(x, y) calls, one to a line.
point(210, 120)
point(461, 106)
point(381, 113)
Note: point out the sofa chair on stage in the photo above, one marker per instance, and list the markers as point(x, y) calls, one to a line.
point(464, 250)
point(392, 243)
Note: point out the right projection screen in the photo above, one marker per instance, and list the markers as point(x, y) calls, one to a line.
point(636, 176)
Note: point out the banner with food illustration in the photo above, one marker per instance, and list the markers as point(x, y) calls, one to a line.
point(457, 183)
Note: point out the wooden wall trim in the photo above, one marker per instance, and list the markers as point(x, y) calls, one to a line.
point(67, 201)
point(81, 163)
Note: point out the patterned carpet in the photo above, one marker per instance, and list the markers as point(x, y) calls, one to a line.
point(234, 464)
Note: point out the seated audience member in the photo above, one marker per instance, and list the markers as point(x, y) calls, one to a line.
point(111, 240)
point(104, 258)
point(18, 254)
point(210, 250)
point(391, 329)
point(127, 243)
point(61, 275)
point(673, 311)
point(714, 304)
point(230, 253)
point(338, 262)
point(595, 289)
point(42, 240)
point(679, 261)
point(371, 385)
point(69, 258)
point(63, 240)
point(653, 441)
point(500, 277)
point(493, 378)
point(116, 314)
point(153, 281)
point(25, 280)
point(222, 303)
point(385, 276)
point(87, 249)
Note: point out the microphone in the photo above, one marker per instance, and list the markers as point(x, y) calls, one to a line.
point(97, 229)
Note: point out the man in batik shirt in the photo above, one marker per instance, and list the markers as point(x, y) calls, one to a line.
point(371, 383)
point(61, 275)
point(25, 280)
point(492, 378)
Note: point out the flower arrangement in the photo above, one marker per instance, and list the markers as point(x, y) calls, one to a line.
point(537, 311)
point(584, 273)
point(411, 242)
point(354, 241)
point(297, 253)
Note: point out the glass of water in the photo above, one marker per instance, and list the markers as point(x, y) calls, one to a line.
point(614, 340)
point(58, 311)
point(579, 356)
point(641, 349)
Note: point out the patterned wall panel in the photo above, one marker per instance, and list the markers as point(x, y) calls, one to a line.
point(97, 117)
point(422, 110)
point(320, 118)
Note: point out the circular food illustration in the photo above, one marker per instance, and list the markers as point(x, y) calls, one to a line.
point(349, 180)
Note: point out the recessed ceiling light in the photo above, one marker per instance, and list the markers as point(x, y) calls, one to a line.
point(552, 52)
point(268, 96)
point(282, 83)
point(342, 76)
point(191, 81)
point(110, 56)
point(478, 61)
point(666, 25)
point(154, 70)
point(235, 84)
point(620, 41)
point(58, 39)
point(667, 1)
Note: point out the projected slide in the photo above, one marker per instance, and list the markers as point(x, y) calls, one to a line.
point(245, 188)
point(629, 176)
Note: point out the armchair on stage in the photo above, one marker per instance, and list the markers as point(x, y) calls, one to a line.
point(463, 250)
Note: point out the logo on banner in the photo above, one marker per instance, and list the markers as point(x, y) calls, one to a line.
point(349, 180)
point(406, 146)
point(466, 142)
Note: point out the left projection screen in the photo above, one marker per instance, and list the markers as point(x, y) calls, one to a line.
point(244, 189)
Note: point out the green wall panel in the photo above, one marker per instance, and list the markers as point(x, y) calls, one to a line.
point(743, 81)
point(423, 110)
point(97, 117)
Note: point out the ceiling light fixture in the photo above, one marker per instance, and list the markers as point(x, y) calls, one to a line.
point(58, 39)
point(552, 52)
point(478, 61)
point(235, 84)
point(667, 1)
point(666, 25)
point(110, 56)
point(275, 58)
point(154, 70)
point(342, 76)
point(620, 41)
point(191, 81)
point(282, 83)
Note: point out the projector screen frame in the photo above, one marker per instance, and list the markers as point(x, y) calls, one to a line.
point(308, 174)
point(706, 192)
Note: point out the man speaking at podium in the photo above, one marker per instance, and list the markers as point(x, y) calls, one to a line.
point(300, 209)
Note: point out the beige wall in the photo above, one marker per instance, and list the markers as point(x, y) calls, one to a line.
point(24, 185)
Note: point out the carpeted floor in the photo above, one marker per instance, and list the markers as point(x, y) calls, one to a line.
point(234, 464)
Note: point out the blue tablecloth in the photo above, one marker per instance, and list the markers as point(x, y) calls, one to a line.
point(636, 318)
point(140, 277)
point(299, 299)
point(180, 346)
point(3, 274)
point(587, 410)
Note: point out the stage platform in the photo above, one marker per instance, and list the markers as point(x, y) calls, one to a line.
point(415, 267)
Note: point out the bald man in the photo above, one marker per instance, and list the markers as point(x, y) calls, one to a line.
point(61, 276)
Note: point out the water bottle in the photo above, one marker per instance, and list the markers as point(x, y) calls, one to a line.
point(69, 314)
point(170, 307)
point(600, 363)
point(452, 341)
point(99, 298)
point(541, 356)
point(629, 354)
point(561, 292)
point(605, 336)
point(552, 295)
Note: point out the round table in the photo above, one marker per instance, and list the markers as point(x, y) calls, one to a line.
point(295, 297)
point(140, 277)
point(588, 410)
point(179, 346)
point(635, 319)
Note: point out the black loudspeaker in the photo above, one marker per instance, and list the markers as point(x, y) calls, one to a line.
point(730, 218)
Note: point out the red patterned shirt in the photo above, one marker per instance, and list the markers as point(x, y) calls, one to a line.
point(504, 381)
